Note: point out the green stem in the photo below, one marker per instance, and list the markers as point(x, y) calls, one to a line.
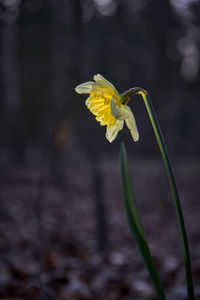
point(171, 178)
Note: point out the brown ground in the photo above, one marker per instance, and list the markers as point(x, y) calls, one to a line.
point(48, 243)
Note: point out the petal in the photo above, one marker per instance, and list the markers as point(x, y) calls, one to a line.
point(111, 132)
point(84, 88)
point(123, 112)
point(87, 102)
point(131, 124)
point(101, 80)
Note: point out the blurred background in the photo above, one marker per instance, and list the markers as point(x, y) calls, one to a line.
point(63, 231)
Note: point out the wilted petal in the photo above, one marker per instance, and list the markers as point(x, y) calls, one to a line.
point(111, 132)
point(84, 88)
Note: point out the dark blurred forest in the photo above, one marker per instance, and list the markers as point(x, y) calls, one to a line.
point(63, 231)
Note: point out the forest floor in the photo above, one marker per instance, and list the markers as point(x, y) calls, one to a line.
point(51, 232)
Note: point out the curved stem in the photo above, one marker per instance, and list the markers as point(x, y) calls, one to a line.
point(172, 182)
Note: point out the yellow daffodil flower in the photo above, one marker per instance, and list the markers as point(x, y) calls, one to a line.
point(107, 105)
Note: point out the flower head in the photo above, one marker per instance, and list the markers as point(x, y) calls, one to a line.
point(107, 105)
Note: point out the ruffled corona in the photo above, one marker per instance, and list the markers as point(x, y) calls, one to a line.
point(106, 104)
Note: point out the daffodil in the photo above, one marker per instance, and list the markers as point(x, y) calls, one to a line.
point(107, 105)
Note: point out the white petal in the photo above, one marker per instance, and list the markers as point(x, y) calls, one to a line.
point(87, 102)
point(84, 88)
point(112, 132)
point(123, 112)
point(131, 124)
point(100, 79)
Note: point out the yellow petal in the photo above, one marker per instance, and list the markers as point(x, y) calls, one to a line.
point(84, 88)
point(111, 132)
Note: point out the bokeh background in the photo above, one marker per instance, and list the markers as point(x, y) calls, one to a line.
point(63, 231)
